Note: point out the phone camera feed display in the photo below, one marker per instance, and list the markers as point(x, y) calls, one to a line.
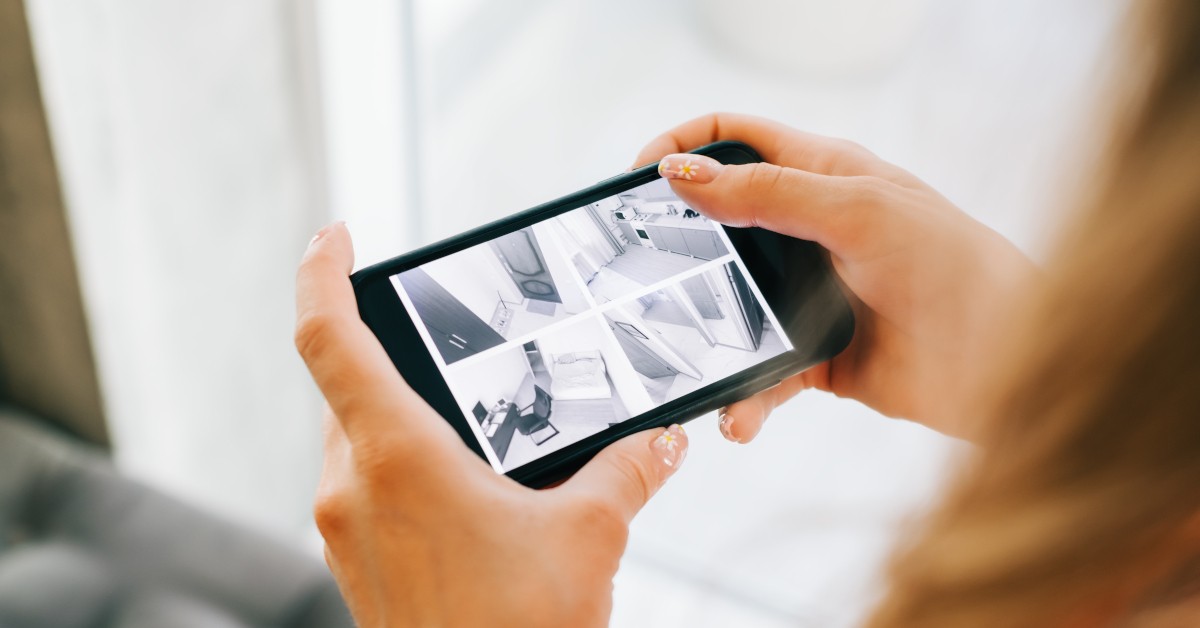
point(555, 332)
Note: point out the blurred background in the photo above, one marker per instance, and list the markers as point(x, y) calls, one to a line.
point(199, 145)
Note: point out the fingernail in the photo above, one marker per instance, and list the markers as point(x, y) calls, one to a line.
point(671, 446)
point(726, 425)
point(694, 168)
point(324, 231)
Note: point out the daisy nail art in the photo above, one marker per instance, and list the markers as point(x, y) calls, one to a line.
point(694, 168)
point(671, 445)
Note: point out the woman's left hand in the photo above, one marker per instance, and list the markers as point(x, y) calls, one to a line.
point(420, 531)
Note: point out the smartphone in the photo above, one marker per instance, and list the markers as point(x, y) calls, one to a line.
point(547, 335)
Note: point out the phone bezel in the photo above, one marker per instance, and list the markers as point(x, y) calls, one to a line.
point(819, 325)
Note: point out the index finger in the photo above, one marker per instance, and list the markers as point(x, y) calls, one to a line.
point(351, 368)
point(776, 143)
point(741, 421)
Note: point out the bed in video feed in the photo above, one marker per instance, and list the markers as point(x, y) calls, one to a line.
point(545, 394)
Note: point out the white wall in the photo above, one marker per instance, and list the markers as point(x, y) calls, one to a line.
point(562, 270)
point(586, 233)
point(577, 234)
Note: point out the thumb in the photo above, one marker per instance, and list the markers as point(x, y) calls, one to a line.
point(626, 474)
point(793, 202)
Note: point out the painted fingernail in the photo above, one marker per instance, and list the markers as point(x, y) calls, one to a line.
point(324, 231)
point(694, 168)
point(671, 446)
point(726, 425)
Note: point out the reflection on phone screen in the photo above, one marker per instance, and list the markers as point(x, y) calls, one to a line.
point(557, 331)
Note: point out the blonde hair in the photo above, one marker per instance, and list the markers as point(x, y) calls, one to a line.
point(1081, 507)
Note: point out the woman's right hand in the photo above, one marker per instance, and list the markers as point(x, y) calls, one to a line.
point(930, 283)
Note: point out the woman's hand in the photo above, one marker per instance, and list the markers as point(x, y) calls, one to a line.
point(421, 532)
point(930, 281)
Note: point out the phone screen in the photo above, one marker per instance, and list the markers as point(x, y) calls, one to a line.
point(552, 333)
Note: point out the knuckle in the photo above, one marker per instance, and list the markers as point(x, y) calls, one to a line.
point(374, 471)
point(866, 203)
point(870, 191)
point(637, 477)
point(850, 146)
point(376, 460)
point(331, 513)
point(764, 177)
point(763, 191)
point(602, 516)
point(312, 332)
point(399, 463)
point(713, 118)
point(854, 149)
point(717, 118)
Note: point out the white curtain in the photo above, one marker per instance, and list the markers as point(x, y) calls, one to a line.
point(187, 139)
point(587, 246)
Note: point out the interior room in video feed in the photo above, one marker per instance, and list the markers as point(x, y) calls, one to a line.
point(557, 331)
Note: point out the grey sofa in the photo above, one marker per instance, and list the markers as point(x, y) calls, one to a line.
point(83, 547)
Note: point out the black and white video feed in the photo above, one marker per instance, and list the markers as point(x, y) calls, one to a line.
point(535, 398)
point(695, 332)
point(561, 330)
point(626, 243)
point(477, 299)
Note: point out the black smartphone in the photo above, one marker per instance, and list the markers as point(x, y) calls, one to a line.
point(547, 335)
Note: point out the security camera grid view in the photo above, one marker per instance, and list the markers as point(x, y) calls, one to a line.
point(557, 331)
